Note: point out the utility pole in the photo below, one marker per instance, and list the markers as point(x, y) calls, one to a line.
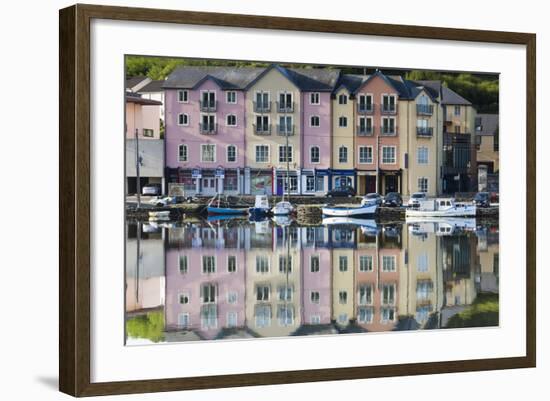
point(138, 163)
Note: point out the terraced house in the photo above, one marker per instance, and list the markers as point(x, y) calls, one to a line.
point(276, 130)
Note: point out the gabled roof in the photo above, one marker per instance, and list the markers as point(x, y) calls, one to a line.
point(131, 82)
point(314, 79)
point(225, 77)
point(395, 82)
point(351, 82)
point(415, 90)
point(446, 95)
point(488, 124)
point(132, 97)
point(153, 86)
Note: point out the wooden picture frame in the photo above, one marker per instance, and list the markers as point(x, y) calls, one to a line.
point(75, 206)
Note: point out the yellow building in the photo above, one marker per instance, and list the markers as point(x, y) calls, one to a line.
point(487, 142)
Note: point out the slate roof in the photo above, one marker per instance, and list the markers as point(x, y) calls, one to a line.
point(153, 86)
point(448, 96)
point(314, 79)
point(488, 124)
point(351, 82)
point(225, 77)
point(133, 81)
point(132, 97)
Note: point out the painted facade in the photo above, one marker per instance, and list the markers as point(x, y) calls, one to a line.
point(343, 154)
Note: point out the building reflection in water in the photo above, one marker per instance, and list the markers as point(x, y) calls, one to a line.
point(238, 279)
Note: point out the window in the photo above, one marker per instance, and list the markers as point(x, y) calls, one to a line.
point(285, 264)
point(285, 101)
point(208, 124)
point(315, 319)
point(388, 126)
point(422, 184)
point(365, 103)
point(285, 154)
point(314, 121)
point(343, 263)
point(231, 120)
point(232, 297)
point(314, 297)
point(286, 125)
point(231, 183)
point(388, 103)
point(285, 314)
point(262, 315)
point(365, 295)
point(209, 317)
point(388, 263)
point(208, 293)
point(314, 156)
point(365, 263)
point(314, 263)
point(183, 264)
point(208, 153)
point(231, 263)
point(388, 154)
point(342, 99)
point(262, 124)
point(320, 183)
point(208, 264)
point(343, 297)
point(262, 293)
point(387, 314)
point(457, 110)
point(424, 289)
point(314, 98)
point(182, 153)
point(365, 126)
point(262, 264)
point(208, 100)
point(231, 97)
point(184, 298)
point(388, 294)
point(183, 96)
point(343, 154)
point(422, 155)
point(422, 262)
point(365, 154)
point(343, 122)
point(343, 318)
point(285, 293)
point(310, 183)
point(262, 154)
point(232, 319)
point(183, 320)
point(183, 119)
point(148, 132)
point(231, 153)
point(365, 315)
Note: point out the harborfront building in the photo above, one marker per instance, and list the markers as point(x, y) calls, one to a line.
point(274, 130)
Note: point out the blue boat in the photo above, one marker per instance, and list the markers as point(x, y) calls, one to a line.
point(261, 207)
point(219, 209)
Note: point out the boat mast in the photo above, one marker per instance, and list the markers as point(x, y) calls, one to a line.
point(287, 152)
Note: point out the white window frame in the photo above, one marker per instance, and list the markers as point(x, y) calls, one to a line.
point(394, 154)
point(366, 95)
point(227, 319)
point(183, 146)
point(185, 115)
point(393, 266)
point(214, 91)
point(359, 154)
point(214, 258)
point(228, 299)
point(318, 300)
point(180, 315)
point(319, 154)
point(427, 184)
point(291, 153)
point(347, 154)
point(236, 263)
point(394, 125)
point(389, 95)
point(340, 119)
point(268, 264)
point(184, 294)
point(318, 257)
point(418, 160)
point(215, 149)
point(186, 91)
point(227, 154)
point(288, 92)
point(227, 97)
point(268, 154)
point(227, 120)
point(346, 98)
point(371, 263)
point(317, 95)
point(311, 122)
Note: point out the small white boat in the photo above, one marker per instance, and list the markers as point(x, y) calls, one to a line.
point(283, 208)
point(442, 207)
point(440, 226)
point(282, 220)
point(160, 215)
point(349, 211)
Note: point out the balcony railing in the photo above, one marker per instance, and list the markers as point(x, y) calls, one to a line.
point(208, 129)
point(208, 106)
point(262, 129)
point(262, 107)
point(387, 131)
point(388, 109)
point(285, 107)
point(424, 132)
point(285, 130)
point(365, 131)
point(425, 109)
point(365, 108)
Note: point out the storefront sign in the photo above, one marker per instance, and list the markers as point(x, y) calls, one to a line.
point(196, 173)
point(220, 172)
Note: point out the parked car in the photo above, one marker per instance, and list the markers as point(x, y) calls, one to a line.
point(393, 199)
point(373, 197)
point(416, 198)
point(151, 189)
point(494, 197)
point(482, 199)
point(342, 191)
point(162, 201)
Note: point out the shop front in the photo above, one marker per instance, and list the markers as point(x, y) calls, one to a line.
point(315, 182)
point(286, 182)
point(366, 182)
point(343, 178)
point(390, 181)
point(258, 182)
point(205, 182)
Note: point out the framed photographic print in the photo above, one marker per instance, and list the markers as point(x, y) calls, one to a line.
point(250, 200)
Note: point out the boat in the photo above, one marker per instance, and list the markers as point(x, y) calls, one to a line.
point(441, 207)
point(367, 226)
point(224, 207)
point(159, 215)
point(282, 220)
point(261, 207)
point(350, 211)
point(283, 208)
point(440, 225)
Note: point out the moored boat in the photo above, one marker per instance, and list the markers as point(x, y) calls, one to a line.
point(261, 207)
point(441, 207)
point(349, 211)
point(283, 208)
point(159, 215)
point(225, 207)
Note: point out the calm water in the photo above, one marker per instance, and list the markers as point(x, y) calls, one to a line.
point(223, 279)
